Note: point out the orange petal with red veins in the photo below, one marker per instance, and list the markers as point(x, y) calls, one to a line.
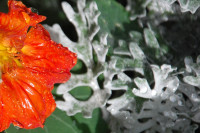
point(40, 53)
point(26, 99)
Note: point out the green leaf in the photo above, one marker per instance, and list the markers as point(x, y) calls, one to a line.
point(59, 122)
point(96, 124)
point(55, 89)
point(112, 15)
point(79, 67)
point(81, 93)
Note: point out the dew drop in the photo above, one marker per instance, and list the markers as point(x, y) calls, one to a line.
point(113, 111)
point(180, 103)
point(153, 93)
point(166, 113)
point(143, 90)
point(170, 124)
point(195, 98)
point(174, 89)
point(172, 98)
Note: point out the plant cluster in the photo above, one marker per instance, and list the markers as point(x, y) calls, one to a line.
point(135, 65)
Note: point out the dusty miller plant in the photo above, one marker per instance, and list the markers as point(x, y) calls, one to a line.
point(160, 97)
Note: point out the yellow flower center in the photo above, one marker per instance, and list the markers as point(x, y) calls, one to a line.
point(8, 58)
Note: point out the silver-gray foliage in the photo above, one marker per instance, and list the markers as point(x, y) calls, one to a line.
point(85, 22)
point(170, 103)
point(157, 113)
point(191, 89)
point(137, 8)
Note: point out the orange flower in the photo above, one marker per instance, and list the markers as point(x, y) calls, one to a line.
point(30, 64)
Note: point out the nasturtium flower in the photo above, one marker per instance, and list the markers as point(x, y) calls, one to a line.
point(30, 64)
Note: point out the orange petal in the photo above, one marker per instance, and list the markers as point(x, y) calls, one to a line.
point(18, 19)
point(40, 53)
point(26, 99)
point(39, 63)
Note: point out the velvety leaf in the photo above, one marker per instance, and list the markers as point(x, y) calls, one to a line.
point(137, 8)
point(161, 6)
point(189, 5)
point(192, 80)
